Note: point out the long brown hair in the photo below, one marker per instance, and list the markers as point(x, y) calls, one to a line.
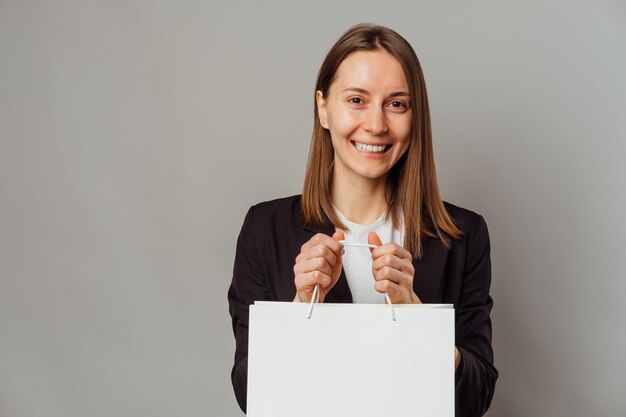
point(412, 181)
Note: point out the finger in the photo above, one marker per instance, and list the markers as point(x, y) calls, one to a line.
point(391, 261)
point(310, 265)
point(320, 251)
point(310, 279)
point(336, 268)
point(373, 239)
point(397, 294)
point(317, 251)
point(393, 290)
point(338, 235)
point(323, 239)
point(391, 274)
point(393, 249)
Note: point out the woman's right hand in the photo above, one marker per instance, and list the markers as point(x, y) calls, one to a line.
point(319, 262)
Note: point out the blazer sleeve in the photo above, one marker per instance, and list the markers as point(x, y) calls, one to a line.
point(248, 284)
point(476, 376)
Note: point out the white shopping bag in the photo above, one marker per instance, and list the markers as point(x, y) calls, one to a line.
point(350, 360)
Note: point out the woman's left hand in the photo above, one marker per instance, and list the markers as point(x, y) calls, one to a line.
point(393, 271)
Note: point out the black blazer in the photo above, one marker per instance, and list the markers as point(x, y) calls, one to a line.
point(271, 237)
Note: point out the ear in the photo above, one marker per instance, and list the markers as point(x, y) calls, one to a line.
point(321, 108)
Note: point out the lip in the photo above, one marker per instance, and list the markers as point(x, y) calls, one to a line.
point(371, 154)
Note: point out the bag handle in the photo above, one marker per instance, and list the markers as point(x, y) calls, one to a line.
point(316, 291)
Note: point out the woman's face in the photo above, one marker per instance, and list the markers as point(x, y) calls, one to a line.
point(368, 114)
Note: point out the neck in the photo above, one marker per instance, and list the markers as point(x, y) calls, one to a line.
point(361, 200)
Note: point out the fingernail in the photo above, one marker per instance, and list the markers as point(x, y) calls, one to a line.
point(343, 250)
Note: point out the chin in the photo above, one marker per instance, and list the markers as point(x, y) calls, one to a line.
point(372, 175)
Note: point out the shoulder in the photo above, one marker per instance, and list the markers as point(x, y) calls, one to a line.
point(274, 227)
point(468, 221)
point(281, 205)
point(280, 212)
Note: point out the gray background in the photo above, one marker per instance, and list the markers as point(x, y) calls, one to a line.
point(135, 135)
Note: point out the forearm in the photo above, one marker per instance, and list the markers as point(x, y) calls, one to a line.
point(475, 385)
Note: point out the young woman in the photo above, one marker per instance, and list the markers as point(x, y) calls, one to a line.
point(371, 178)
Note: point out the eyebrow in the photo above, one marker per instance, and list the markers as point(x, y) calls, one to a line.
point(364, 91)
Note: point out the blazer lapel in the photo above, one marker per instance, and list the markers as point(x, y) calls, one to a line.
point(429, 271)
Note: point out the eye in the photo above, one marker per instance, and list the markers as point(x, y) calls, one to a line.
point(398, 104)
point(355, 100)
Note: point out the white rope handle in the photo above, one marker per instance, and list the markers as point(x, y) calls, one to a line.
point(316, 297)
point(357, 244)
point(316, 291)
point(393, 312)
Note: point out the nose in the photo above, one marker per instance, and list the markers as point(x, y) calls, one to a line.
point(375, 121)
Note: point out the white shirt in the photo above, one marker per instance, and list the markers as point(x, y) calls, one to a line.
point(357, 262)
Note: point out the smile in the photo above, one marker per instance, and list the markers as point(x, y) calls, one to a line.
point(373, 149)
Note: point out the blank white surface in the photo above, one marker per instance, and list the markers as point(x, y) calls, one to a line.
point(350, 359)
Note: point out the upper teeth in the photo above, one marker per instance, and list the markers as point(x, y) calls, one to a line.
point(369, 148)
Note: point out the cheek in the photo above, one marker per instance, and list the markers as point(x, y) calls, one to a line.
point(342, 123)
point(403, 131)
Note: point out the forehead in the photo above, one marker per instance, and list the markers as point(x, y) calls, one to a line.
point(375, 71)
